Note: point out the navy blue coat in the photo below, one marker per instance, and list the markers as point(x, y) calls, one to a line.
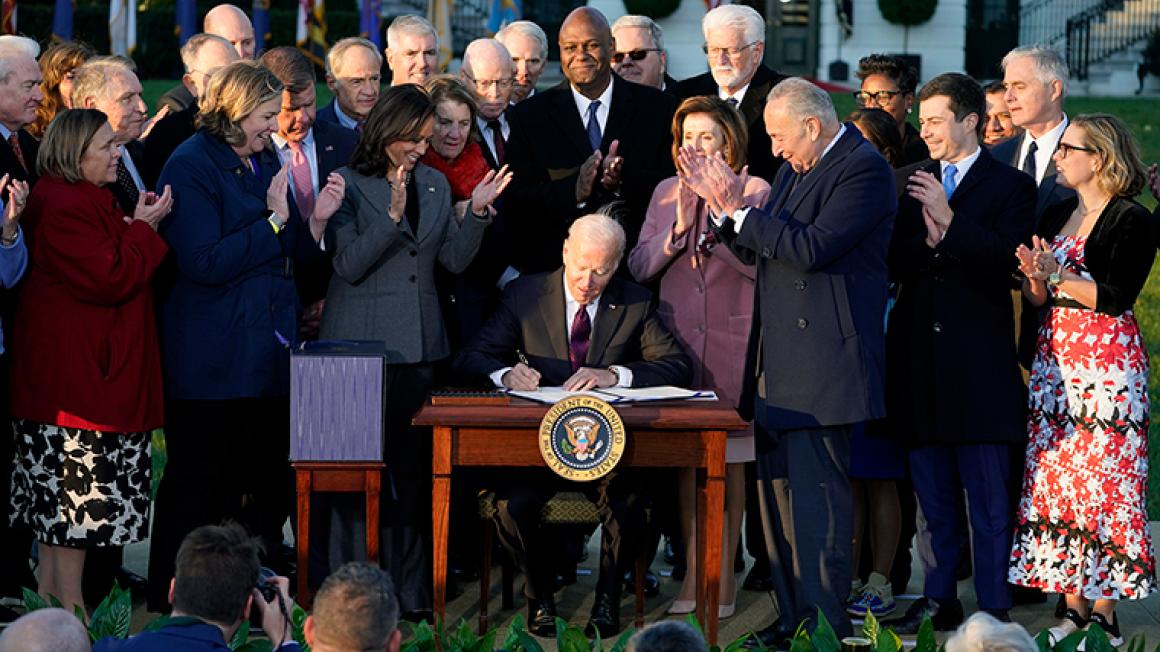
point(953, 374)
point(199, 637)
point(820, 250)
point(234, 292)
point(327, 114)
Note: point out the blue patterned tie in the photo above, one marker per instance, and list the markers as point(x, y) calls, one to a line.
point(593, 125)
point(948, 180)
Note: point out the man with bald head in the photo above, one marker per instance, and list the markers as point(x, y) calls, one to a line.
point(202, 55)
point(577, 147)
point(488, 73)
point(45, 630)
point(228, 22)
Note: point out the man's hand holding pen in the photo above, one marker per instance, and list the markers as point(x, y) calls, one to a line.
point(522, 377)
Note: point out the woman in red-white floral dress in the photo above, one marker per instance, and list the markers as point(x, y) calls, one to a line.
point(1082, 527)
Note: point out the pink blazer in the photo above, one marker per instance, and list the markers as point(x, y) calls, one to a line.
point(706, 301)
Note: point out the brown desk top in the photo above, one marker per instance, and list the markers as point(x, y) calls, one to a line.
point(668, 415)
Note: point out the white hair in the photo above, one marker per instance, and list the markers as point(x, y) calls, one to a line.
point(735, 17)
point(526, 28)
point(643, 22)
point(45, 630)
point(600, 230)
point(1049, 63)
point(984, 633)
point(193, 46)
point(409, 24)
point(482, 48)
point(803, 99)
point(91, 79)
point(23, 44)
point(338, 50)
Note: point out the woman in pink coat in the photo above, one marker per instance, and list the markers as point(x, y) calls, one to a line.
point(706, 300)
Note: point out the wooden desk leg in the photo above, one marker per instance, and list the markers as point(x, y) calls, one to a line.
point(372, 488)
point(440, 507)
point(302, 536)
point(710, 522)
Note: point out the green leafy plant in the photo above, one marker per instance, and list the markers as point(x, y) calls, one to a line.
point(111, 617)
point(908, 13)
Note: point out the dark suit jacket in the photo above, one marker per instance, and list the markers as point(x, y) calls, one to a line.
point(177, 98)
point(548, 144)
point(820, 250)
point(1050, 192)
point(762, 162)
point(173, 130)
point(952, 371)
point(626, 332)
point(327, 114)
point(333, 145)
point(127, 203)
point(29, 146)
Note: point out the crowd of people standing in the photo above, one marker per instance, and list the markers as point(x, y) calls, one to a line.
point(905, 315)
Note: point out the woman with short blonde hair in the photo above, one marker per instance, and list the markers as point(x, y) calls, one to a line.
point(235, 92)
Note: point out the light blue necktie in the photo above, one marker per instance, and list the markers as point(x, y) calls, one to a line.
point(593, 125)
point(948, 180)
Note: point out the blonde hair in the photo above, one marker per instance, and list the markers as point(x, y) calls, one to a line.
point(235, 92)
point(1120, 172)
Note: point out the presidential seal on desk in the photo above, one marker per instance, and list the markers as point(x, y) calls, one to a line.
point(581, 438)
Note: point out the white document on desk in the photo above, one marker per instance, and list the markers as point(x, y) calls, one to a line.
point(617, 395)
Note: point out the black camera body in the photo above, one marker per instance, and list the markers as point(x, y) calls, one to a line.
point(266, 585)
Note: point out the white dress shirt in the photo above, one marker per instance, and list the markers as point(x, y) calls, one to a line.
point(962, 167)
point(571, 307)
point(601, 111)
point(1045, 148)
point(739, 95)
point(489, 136)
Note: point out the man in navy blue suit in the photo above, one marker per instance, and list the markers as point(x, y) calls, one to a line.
point(955, 391)
point(816, 358)
point(354, 74)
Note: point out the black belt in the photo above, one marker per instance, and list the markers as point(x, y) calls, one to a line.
point(1062, 302)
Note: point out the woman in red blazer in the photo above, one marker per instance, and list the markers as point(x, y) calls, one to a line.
point(706, 300)
point(86, 371)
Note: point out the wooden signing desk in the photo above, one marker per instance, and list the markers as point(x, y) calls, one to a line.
point(676, 434)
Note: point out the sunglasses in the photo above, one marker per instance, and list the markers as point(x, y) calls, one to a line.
point(635, 55)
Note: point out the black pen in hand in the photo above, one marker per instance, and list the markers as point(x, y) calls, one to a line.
point(523, 359)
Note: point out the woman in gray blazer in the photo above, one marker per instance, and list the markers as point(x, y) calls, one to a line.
point(395, 223)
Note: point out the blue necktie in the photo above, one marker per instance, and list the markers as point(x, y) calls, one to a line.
point(593, 125)
point(948, 180)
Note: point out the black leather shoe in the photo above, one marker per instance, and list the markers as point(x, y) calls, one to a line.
point(652, 584)
point(1060, 606)
point(757, 581)
point(132, 581)
point(605, 618)
point(1022, 595)
point(945, 615)
point(542, 618)
point(774, 637)
point(1001, 615)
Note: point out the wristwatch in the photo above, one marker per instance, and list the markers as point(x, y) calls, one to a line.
point(1054, 279)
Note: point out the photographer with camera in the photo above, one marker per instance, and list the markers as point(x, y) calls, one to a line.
point(217, 581)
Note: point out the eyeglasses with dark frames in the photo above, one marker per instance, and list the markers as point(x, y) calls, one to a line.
point(1066, 148)
point(882, 98)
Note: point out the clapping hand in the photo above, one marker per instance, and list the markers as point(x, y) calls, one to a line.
point(276, 194)
point(489, 189)
point(1037, 262)
point(398, 206)
point(712, 179)
point(612, 168)
point(152, 208)
point(686, 209)
point(587, 177)
point(928, 190)
point(152, 122)
point(17, 197)
point(329, 198)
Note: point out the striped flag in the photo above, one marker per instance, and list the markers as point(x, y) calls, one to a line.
point(502, 13)
point(311, 32)
point(186, 14)
point(123, 27)
point(439, 13)
point(8, 16)
point(261, 26)
point(62, 20)
point(370, 21)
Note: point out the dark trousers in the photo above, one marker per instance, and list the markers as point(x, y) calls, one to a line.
point(940, 475)
point(808, 516)
point(227, 460)
point(621, 504)
point(405, 513)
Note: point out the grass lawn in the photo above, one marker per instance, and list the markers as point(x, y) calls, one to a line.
point(1141, 115)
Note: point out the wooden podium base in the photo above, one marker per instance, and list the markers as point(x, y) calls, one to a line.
point(334, 477)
